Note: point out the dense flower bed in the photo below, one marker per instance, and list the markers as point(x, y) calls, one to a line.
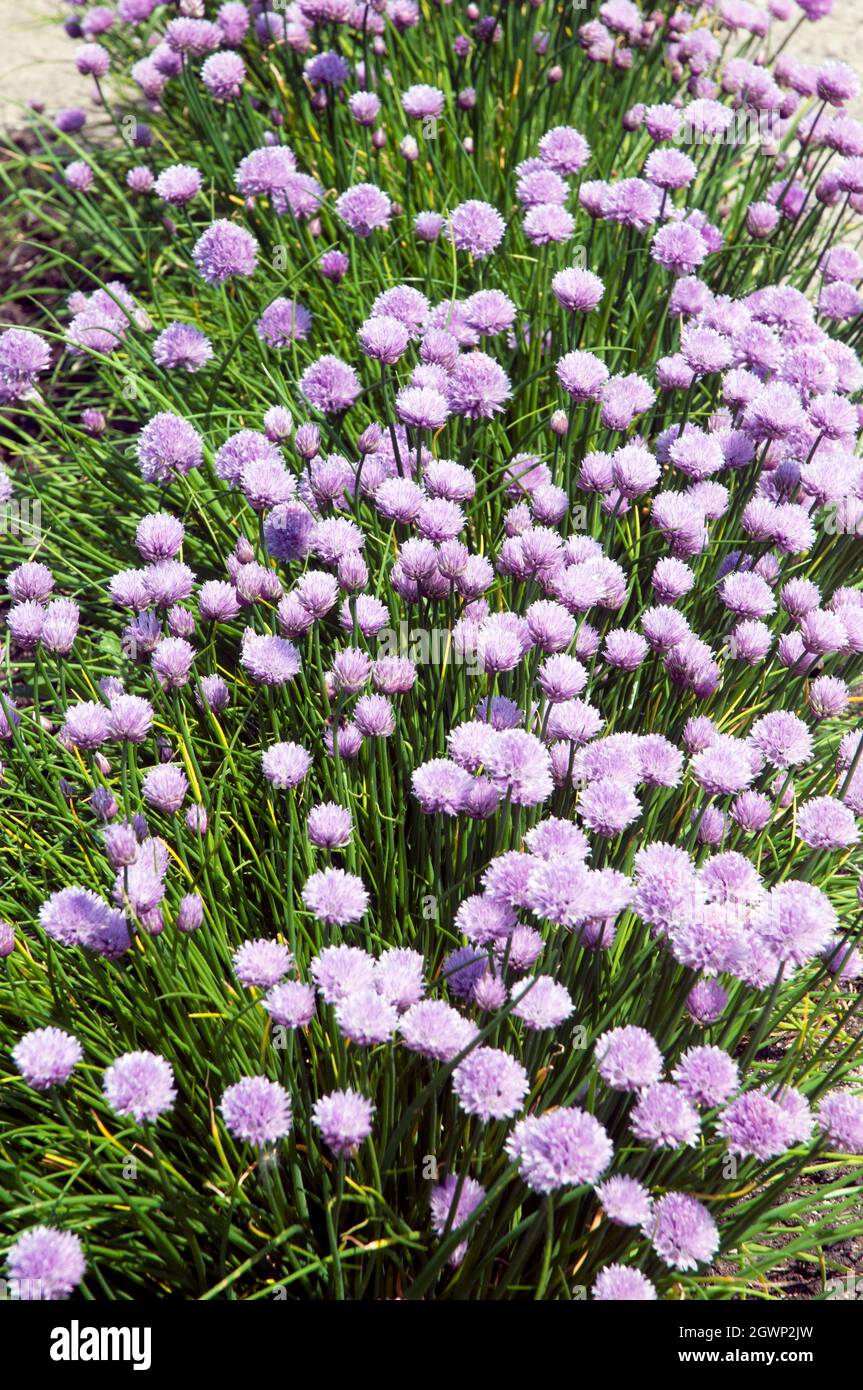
point(430, 818)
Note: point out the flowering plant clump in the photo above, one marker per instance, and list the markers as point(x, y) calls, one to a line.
point(432, 784)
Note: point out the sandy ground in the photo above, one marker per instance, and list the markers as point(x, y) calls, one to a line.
point(839, 36)
point(36, 56)
point(36, 59)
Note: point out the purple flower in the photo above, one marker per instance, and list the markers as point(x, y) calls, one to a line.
point(30, 582)
point(421, 101)
point(46, 1056)
point(706, 1075)
point(92, 60)
point(330, 385)
point(608, 806)
point(837, 83)
point(824, 823)
point(634, 470)
point(398, 977)
point(477, 227)
point(242, 448)
point(58, 633)
point(284, 321)
point(664, 1117)
point(434, 1029)
point(774, 412)
point(291, 1004)
point(541, 185)
point(624, 649)
point(223, 251)
point(331, 540)
point(489, 312)
point(121, 845)
point(828, 696)
point(564, 149)
point(553, 837)
point(212, 693)
point(257, 1111)
point(796, 921)
point(682, 1231)
point(782, 739)
point(406, 304)
point(85, 725)
point(165, 787)
point(269, 660)
point(364, 107)
point(422, 407)
point(140, 1084)
point(178, 185)
point(23, 357)
point(374, 716)
point(278, 423)
point(428, 225)
point(351, 667)
point(159, 536)
point(265, 483)
point(755, 1125)
point(334, 896)
point(329, 825)
point(79, 917)
point(223, 74)
point(761, 219)
point(344, 1119)
point(489, 1083)
point(364, 207)
point(623, 398)
point(678, 246)
point(172, 662)
point(619, 1283)
point(478, 387)
point(577, 289)
point(544, 1003)
point(840, 1117)
point(103, 803)
point(218, 602)
point(746, 595)
point(366, 1018)
point(706, 1002)
point(46, 1264)
point(261, 963)
point(561, 678)
point(70, 119)
point(462, 969)
point(440, 786)
point(628, 1059)
point(670, 169)
point(192, 36)
point(190, 913)
point(168, 582)
point(327, 70)
point(562, 1148)
point(548, 222)
point(625, 1201)
point(632, 202)
point(446, 1213)
point(168, 445)
point(582, 375)
point(726, 767)
point(384, 338)
point(520, 767)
